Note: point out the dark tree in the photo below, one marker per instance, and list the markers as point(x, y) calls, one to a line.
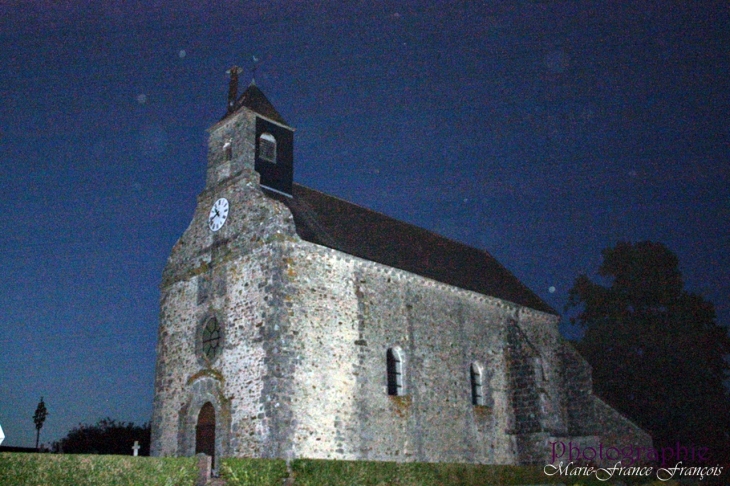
point(657, 354)
point(106, 437)
point(39, 418)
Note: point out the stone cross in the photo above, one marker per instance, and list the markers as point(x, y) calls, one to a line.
point(135, 448)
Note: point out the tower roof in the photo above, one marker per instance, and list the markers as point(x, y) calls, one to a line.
point(254, 99)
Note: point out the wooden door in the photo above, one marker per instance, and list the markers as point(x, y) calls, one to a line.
point(205, 431)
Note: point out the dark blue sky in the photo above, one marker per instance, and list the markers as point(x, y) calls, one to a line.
point(540, 131)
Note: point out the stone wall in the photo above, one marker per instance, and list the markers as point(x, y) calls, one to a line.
point(343, 314)
point(618, 431)
point(578, 392)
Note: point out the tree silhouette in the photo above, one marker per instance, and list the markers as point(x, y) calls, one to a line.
point(106, 437)
point(657, 354)
point(39, 418)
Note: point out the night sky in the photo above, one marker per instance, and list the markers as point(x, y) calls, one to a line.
point(542, 132)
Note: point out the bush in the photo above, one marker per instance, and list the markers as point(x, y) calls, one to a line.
point(107, 436)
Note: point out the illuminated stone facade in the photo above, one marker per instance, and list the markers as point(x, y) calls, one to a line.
point(296, 366)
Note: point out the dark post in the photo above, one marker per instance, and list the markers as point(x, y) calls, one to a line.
point(39, 418)
point(233, 88)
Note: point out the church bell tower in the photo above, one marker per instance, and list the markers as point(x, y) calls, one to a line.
point(221, 290)
point(264, 142)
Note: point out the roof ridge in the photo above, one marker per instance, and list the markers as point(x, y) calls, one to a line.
point(374, 211)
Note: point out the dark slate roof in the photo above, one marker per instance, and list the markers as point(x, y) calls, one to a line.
point(347, 227)
point(255, 99)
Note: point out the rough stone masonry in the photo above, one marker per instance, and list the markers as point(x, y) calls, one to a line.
point(307, 326)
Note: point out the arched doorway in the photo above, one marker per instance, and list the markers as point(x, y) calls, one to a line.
point(205, 431)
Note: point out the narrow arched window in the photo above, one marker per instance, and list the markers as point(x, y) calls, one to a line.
point(394, 362)
point(477, 386)
point(267, 147)
point(228, 151)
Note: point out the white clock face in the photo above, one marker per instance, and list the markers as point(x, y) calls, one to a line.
point(218, 214)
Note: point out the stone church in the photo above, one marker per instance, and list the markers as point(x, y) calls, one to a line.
point(296, 324)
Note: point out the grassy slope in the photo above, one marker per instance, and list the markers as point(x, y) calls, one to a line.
point(88, 470)
point(91, 470)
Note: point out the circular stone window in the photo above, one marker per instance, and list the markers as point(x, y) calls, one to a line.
point(211, 339)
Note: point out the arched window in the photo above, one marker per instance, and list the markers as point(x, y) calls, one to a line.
point(477, 385)
point(228, 151)
point(394, 362)
point(267, 147)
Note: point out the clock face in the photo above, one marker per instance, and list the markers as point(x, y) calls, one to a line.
point(218, 214)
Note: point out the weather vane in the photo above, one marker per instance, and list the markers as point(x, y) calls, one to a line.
point(253, 69)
